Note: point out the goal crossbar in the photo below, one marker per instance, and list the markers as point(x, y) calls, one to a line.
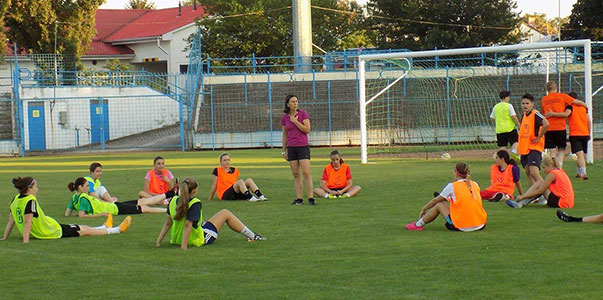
point(586, 44)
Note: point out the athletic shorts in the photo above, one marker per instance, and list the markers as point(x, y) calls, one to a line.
point(579, 143)
point(552, 200)
point(128, 209)
point(210, 233)
point(506, 138)
point(231, 194)
point(70, 230)
point(450, 226)
point(533, 158)
point(298, 153)
point(555, 139)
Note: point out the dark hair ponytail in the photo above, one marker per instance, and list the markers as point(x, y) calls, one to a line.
point(335, 152)
point(186, 187)
point(72, 186)
point(23, 183)
point(504, 154)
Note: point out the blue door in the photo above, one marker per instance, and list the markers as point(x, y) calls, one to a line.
point(99, 120)
point(37, 132)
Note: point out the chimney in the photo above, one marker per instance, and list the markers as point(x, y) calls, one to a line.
point(179, 8)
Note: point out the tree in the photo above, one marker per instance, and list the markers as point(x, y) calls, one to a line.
point(32, 26)
point(240, 28)
point(425, 24)
point(140, 4)
point(585, 22)
point(3, 8)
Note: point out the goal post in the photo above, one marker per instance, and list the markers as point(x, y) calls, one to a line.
point(457, 80)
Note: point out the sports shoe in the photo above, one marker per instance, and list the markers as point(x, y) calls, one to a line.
point(582, 176)
point(109, 221)
point(513, 204)
point(527, 201)
point(254, 199)
point(263, 198)
point(435, 194)
point(515, 156)
point(346, 195)
point(312, 202)
point(332, 196)
point(125, 224)
point(165, 202)
point(562, 216)
point(297, 202)
point(413, 226)
point(257, 237)
point(497, 197)
point(506, 197)
point(541, 200)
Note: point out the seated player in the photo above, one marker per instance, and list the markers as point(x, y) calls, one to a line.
point(157, 181)
point(337, 179)
point(465, 212)
point(28, 216)
point(504, 176)
point(97, 189)
point(187, 228)
point(89, 206)
point(556, 189)
point(590, 219)
point(228, 185)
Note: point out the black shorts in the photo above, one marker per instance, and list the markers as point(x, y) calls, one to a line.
point(70, 230)
point(533, 158)
point(298, 153)
point(555, 139)
point(505, 138)
point(231, 194)
point(579, 143)
point(450, 226)
point(210, 233)
point(552, 200)
point(128, 209)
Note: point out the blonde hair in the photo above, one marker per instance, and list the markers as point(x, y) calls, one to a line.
point(550, 160)
point(186, 187)
point(551, 86)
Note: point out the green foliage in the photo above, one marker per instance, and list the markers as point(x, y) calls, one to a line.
point(585, 22)
point(32, 25)
point(425, 24)
point(341, 249)
point(140, 4)
point(116, 64)
point(3, 8)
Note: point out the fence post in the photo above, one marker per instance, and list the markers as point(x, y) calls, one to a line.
point(345, 61)
point(211, 105)
point(330, 116)
point(508, 79)
point(17, 98)
point(253, 62)
point(313, 84)
point(181, 116)
point(436, 58)
point(389, 120)
point(208, 64)
point(245, 86)
point(448, 101)
point(102, 122)
point(270, 108)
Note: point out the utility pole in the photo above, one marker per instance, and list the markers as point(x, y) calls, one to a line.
point(302, 35)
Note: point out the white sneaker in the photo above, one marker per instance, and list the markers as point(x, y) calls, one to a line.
point(263, 198)
point(254, 199)
point(542, 200)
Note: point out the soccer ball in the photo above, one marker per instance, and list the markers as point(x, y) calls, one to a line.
point(572, 156)
point(446, 156)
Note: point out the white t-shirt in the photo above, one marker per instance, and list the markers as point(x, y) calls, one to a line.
point(511, 111)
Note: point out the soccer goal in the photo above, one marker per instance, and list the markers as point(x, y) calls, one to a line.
point(437, 104)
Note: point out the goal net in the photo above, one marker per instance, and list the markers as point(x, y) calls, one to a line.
point(437, 104)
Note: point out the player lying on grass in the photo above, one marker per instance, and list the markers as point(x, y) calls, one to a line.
point(97, 189)
point(157, 181)
point(89, 206)
point(590, 219)
point(30, 219)
point(228, 185)
point(185, 218)
point(465, 212)
point(504, 176)
point(556, 189)
point(337, 179)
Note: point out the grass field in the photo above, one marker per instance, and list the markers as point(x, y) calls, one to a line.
point(341, 249)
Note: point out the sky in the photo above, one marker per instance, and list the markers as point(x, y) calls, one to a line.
point(549, 7)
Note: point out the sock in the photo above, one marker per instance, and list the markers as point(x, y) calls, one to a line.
point(113, 230)
point(420, 223)
point(247, 232)
point(100, 227)
point(327, 195)
point(582, 170)
point(258, 193)
point(247, 194)
point(574, 219)
point(169, 194)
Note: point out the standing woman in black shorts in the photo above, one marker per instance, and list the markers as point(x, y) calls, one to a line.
point(296, 149)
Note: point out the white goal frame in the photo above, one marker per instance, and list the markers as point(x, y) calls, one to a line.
point(362, 59)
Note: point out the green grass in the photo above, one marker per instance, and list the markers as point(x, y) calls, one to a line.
point(340, 249)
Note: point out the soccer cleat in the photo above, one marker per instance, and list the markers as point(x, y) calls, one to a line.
point(413, 226)
point(582, 176)
point(332, 196)
point(563, 216)
point(497, 197)
point(346, 195)
point(435, 194)
point(297, 202)
point(109, 221)
point(515, 156)
point(513, 204)
point(541, 200)
point(257, 237)
point(312, 202)
point(254, 199)
point(125, 224)
point(263, 198)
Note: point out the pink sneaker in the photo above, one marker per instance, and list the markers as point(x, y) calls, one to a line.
point(413, 226)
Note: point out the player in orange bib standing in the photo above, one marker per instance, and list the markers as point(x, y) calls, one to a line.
point(531, 138)
point(554, 107)
point(227, 184)
point(556, 189)
point(579, 127)
point(465, 212)
point(157, 181)
point(504, 176)
point(337, 179)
